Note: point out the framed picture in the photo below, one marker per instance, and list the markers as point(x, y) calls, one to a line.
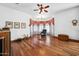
point(9, 24)
point(74, 22)
point(16, 25)
point(23, 25)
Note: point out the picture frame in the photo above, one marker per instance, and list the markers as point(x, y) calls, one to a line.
point(16, 25)
point(23, 25)
point(74, 22)
point(9, 24)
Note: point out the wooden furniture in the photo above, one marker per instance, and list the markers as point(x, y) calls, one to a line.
point(5, 42)
point(1, 43)
point(63, 37)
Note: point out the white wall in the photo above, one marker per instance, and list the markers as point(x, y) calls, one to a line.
point(7, 14)
point(63, 23)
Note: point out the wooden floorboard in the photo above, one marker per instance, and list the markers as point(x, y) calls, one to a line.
point(35, 46)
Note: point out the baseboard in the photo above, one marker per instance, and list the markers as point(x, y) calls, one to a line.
point(73, 40)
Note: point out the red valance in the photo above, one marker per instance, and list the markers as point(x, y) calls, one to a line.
point(33, 22)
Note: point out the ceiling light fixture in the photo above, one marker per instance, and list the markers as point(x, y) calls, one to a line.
point(42, 8)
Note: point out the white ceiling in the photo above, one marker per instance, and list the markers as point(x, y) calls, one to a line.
point(29, 7)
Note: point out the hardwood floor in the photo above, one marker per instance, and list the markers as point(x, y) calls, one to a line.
point(49, 46)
